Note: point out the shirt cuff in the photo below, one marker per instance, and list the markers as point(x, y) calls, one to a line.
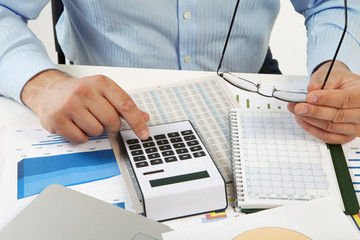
point(16, 70)
point(346, 55)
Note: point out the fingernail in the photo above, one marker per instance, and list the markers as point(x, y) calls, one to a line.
point(144, 134)
point(302, 110)
point(312, 99)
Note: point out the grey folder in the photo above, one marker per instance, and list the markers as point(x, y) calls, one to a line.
point(62, 213)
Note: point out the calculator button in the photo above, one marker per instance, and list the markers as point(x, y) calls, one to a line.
point(147, 140)
point(170, 159)
point(156, 161)
point(141, 164)
point(199, 154)
point(134, 147)
point(151, 150)
point(132, 141)
point(176, 140)
point(153, 155)
point(162, 142)
point(137, 152)
point(164, 147)
point(148, 144)
point(173, 134)
point(167, 153)
point(185, 156)
point(182, 150)
point(192, 143)
point(190, 137)
point(160, 136)
point(179, 145)
point(196, 148)
point(186, 132)
point(139, 158)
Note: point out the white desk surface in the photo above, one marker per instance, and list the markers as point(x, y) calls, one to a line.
point(16, 114)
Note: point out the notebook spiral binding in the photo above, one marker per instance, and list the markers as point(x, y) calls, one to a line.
point(235, 141)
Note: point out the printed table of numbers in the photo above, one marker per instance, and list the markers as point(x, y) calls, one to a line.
point(281, 159)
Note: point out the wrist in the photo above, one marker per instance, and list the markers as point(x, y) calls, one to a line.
point(40, 83)
point(324, 66)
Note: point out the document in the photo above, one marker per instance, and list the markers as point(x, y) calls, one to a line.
point(352, 155)
point(35, 159)
point(319, 219)
point(274, 160)
point(205, 102)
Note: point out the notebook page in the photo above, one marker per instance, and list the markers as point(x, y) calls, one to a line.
point(281, 162)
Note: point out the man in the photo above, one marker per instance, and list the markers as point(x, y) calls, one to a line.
point(174, 35)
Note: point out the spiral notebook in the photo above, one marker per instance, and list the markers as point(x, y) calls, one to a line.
point(275, 162)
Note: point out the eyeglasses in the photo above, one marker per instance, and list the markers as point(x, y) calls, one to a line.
point(283, 95)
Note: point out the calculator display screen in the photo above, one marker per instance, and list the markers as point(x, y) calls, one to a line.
point(179, 179)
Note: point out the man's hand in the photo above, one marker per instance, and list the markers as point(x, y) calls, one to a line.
point(331, 114)
point(79, 108)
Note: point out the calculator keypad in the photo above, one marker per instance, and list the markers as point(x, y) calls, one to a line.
point(165, 148)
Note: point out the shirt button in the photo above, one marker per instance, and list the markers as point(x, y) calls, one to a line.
point(187, 15)
point(187, 59)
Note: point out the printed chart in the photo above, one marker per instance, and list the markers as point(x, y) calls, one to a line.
point(36, 173)
point(36, 159)
point(352, 156)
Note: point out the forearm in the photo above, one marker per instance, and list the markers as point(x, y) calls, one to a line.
point(42, 82)
point(325, 21)
point(22, 55)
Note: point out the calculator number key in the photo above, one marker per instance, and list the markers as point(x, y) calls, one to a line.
point(151, 150)
point(170, 159)
point(195, 148)
point(192, 143)
point(137, 152)
point(199, 154)
point(186, 132)
point(139, 158)
point(185, 157)
point(156, 161)
point(141, 164)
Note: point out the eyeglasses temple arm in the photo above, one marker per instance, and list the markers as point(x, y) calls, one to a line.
point(227, 37)
point(338, 48)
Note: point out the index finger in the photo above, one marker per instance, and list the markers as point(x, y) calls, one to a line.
point(128, 110)
point(344, 98)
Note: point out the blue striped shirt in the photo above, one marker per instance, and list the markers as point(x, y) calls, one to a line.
point(167, 34)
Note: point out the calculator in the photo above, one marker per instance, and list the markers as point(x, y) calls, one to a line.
point(173, 173)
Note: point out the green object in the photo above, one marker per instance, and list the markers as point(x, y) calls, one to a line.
point(346, 187)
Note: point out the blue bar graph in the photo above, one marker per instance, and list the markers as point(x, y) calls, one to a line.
point(57, 139)
point(35, 174)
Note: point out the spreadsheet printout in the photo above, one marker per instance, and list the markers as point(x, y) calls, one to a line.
point(282, 159)
point(283, 163)
point(205, 102)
